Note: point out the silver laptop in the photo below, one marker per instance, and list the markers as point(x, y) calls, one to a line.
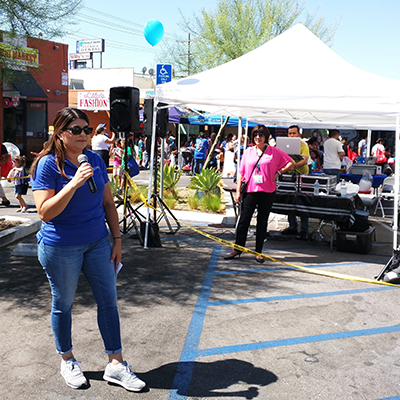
point(290, 145)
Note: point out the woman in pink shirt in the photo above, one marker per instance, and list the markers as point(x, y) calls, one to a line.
point(261, 187)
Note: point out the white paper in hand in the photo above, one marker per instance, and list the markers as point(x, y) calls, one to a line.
point(120, 265)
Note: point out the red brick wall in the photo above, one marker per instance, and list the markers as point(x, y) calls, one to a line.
point(53, 60)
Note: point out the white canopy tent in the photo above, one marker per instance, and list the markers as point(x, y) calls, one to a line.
point(294, 78)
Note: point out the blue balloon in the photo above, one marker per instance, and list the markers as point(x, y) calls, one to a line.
point(153, 31)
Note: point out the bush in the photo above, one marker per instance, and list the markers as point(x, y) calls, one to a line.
point(113, 186)
point(194, 201)
point(170, 202)
point(207, 181)
point(170, 180)
point(212, 202)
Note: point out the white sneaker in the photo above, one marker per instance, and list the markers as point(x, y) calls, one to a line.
point(121, 374)
point(72, 373)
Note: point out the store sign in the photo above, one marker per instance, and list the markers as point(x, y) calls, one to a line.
point(20, 55)
point(80, 56)
point(93, 101)
point(7, 103)
point(64, 78)
point(90, 46)
point(15, 100)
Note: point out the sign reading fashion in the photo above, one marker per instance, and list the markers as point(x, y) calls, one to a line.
point(90, 46)
point(20, 55)
point(93, 101)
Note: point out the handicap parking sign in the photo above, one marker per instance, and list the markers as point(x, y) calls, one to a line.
point(164, 73)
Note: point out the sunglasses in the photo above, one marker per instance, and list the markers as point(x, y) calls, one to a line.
point(76, 130)
point(259, 134)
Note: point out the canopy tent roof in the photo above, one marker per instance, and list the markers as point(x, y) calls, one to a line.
point(294, 78)
point(175, 116)
point(216, 120)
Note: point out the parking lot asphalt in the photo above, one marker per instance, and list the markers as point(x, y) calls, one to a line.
point(196, 326)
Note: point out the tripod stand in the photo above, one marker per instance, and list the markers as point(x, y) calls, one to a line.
point(129, 213)
point(392, 264)
point(156, 199)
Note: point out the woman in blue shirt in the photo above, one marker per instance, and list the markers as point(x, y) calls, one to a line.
point(74, 238)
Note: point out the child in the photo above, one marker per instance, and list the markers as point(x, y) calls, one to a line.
point(118, 154)
point(21, 185)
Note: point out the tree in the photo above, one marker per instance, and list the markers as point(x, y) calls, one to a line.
point(37, 18)
point(236, 27)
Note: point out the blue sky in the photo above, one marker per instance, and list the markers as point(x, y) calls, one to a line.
point(368, 34)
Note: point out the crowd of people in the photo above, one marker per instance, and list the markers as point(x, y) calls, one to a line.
point(76, 219)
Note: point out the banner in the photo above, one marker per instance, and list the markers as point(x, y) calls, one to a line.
point(20, 55)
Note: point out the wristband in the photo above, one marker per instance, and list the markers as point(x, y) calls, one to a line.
point(279, 172)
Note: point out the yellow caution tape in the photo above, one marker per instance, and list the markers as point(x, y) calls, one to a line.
point(13, 179)
point(246, 250)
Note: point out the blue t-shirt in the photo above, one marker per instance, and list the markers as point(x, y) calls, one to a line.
point(200, 150)
point(83, 219)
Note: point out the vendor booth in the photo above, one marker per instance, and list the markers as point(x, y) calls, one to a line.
point(334, 94)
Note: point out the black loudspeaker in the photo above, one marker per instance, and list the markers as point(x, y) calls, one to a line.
point(124, 109)
point(148, 116)
point(162, 121)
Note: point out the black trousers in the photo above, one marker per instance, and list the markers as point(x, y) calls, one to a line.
point(104, 154)
point(263, 201)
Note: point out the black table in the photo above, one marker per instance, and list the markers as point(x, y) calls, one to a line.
point(340, 210)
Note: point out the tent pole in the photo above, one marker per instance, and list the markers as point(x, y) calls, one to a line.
point(369, 142)
point(396, 183)
point(239, 144)
point(179, 148)
point(246, 132)
point(153, 159)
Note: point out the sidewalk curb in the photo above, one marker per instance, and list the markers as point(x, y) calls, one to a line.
point(17, 232)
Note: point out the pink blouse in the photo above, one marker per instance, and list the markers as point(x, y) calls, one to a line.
point(272, 160)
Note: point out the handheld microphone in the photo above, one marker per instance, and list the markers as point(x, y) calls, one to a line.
point(82, 158)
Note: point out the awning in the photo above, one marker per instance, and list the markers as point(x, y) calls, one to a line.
point(26, 84)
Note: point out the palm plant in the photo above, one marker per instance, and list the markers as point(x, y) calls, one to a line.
point(207, 181)
point(171, 179)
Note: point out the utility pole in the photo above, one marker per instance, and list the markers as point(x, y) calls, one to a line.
point(188, 53)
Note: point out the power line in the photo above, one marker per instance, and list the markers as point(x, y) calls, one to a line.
point(126, 24)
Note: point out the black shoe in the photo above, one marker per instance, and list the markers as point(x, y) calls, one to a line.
point(302, 236)
point(5, 203)
point(231, 256)
point(260, 260)
point(289, 231)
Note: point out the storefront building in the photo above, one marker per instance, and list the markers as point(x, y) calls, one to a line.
point(89, 90)
point(33, 92)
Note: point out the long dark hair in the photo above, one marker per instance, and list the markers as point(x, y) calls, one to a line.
point(55, 145)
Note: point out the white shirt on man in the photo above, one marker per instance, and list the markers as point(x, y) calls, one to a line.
point(332, 148)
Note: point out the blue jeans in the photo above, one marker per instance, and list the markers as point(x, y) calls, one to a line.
point(198, 162)
point(146, 159)
point(63, 265)
point(293, 223)
point(336, 172)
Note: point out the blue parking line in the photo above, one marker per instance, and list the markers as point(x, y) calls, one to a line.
point(184, 371)
point(190, 351)
point(294, 341)
point(298, 296)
